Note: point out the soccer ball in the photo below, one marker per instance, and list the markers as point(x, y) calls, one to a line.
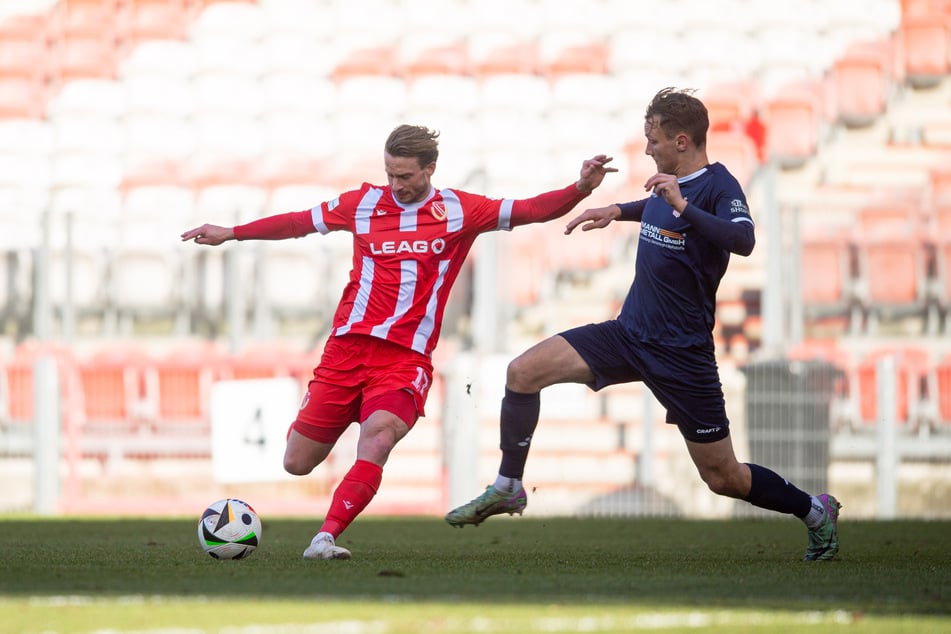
point(229, 529)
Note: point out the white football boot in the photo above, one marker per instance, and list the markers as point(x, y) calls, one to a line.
point(323, 547)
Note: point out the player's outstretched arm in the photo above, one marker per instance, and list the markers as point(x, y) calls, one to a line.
point(596, 218)
point(212, 235)
point(294, 224)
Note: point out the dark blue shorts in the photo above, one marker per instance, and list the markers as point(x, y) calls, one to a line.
point(685, 380)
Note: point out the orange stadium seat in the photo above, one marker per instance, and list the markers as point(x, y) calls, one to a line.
point(448, 59)
point(25, 59)
point(38, 26)
point(179, 387)
point(155, 20)
point(112, 392)
point(577, 58)
point(927, 49)
point(90, 18)
point(19, 378)
point(792, 119)
point(911, 367)
point(519, 58)
point(940, 181)
point(941, 258)
point(892, 275)
point(826, 275)
point(860, 80)
point(86, 57)
point(942, 388)
point(21, 98)
point(377, 60)
point(891, 259)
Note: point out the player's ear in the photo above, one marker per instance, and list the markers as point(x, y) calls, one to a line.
point(682, 141)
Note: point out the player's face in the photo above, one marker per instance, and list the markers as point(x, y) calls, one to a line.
point(409, 182)
point(661, 148)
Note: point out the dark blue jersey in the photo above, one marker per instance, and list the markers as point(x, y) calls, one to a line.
point(681, 259)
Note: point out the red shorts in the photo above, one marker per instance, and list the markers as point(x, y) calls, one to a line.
point(357, 376)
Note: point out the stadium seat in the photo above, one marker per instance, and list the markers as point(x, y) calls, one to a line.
point(524, 286)
point(180, 387)
point(927, 49)
point(98, 98)
point(446, 96)
point(85, 58)
point(21, 98)
point(34, 25)
point(860, 81)
point(825, 275)
point(216, 140)
point(514, 92)
point(231, 19)
point(583, 91)
point(789, 49)
point(640, 50)
point(793, 125)
point(570, 51)
point(293, 173)
point(113, 391)
point(892, 276)
point(940, 184)
point(382, 95)
point(891, 261)
point(291, 279)
point(25, 59)
point(941, 391)
point(300, 96)
point(519, 57)
point(160, 58)
point(736, 150)
point(20, 383)
point(449, 59)
point(155, 20)
point(911, 366)
point(227, 58)
point(157, 139)
point(160, 95)
point(373, 61)
point(940, 290)
point(89, 19)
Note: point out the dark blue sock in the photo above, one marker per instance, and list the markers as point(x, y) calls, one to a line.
point(517, 424)
point(770, 491)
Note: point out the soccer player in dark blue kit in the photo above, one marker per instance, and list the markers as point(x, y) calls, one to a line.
point(695, 217)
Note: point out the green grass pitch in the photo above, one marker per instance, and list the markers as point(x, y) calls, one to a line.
point(419, 575)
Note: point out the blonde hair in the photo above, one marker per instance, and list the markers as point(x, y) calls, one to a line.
point(414, 141)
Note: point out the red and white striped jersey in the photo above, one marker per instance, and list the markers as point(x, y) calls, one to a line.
point(405, 258)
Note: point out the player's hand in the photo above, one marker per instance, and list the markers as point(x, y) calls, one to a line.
point(209, 234)
point(667, 187)
point(596, 218)
point(593, 171)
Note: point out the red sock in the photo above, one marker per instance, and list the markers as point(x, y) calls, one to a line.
point(352, 496)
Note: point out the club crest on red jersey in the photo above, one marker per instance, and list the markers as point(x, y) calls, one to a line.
point(438, 210)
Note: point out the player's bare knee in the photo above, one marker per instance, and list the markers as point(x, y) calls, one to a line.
point(294, 466)
point(519, 376)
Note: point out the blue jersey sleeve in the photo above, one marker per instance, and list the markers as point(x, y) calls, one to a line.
point(728, 227)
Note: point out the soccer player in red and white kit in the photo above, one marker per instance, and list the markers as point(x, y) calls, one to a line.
point(409, 243)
